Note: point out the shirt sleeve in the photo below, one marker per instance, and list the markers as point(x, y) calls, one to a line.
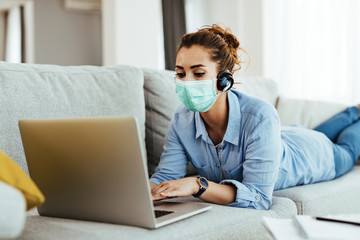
point(173, 161)
point(261, 165)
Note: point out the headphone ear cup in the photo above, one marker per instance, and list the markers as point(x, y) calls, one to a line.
point(225, 80)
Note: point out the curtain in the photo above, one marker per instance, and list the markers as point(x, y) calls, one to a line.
point(311, 47)
point(3, 17)
point(13, 40)
point(174, 26)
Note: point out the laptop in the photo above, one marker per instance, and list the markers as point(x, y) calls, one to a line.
point(95, 169)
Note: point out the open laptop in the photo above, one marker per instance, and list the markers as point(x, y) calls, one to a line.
point(95, 169)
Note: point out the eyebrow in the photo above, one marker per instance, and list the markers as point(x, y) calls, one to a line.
point(194, 66)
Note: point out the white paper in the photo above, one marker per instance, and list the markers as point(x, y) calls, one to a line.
point(282, 229)
point(306, 227)
point(318, 230)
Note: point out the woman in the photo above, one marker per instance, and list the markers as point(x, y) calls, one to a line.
point(234, 141)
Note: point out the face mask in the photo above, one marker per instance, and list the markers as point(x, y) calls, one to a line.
point(197, 96)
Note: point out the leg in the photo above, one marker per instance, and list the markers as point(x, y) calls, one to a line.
point(347, 149)
point(332, 127)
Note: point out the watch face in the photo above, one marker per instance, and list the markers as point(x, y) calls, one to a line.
point(203, 182)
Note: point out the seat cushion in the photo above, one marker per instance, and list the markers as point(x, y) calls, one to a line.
point(51, 91)
point(12, 211)
point(220, 222)
point(337, 196)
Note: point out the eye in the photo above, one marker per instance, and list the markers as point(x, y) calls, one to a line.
point(199, 74)
point(180, 75)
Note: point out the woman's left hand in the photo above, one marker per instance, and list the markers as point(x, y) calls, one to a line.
point(177, 188)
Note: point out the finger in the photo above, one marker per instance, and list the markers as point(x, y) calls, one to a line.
point(160, 188)
point(171, 193)
point(154, 189)
point(157, 197)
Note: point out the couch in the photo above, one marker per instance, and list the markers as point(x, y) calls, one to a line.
point(51, 91)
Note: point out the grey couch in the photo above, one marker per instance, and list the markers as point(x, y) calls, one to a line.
point(50, 91)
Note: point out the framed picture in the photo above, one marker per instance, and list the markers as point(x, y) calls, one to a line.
point(83, 5)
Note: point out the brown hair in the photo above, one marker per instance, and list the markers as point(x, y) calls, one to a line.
point(222, 44)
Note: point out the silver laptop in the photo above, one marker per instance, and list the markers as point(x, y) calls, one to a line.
point(95, 169)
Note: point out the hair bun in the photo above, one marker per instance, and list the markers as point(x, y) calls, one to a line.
point(222, 44)
point(232, 40)
point(226, 34)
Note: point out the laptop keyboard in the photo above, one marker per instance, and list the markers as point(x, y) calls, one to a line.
point(160, 213)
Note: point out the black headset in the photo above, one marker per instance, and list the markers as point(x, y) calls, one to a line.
point(225, 80)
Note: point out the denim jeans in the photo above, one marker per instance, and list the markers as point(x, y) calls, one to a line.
point(344, 131)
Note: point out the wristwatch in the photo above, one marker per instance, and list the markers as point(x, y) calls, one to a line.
point(203, 182)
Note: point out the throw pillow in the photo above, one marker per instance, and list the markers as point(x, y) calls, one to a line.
point(13, 175)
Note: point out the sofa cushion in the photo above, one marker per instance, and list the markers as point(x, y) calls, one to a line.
point(338, 196)
point(161, 102)
point(12, 211)
point(51, 91)
point(263, 88)
point(306, 113)
point(13, 175)
point(220, 222)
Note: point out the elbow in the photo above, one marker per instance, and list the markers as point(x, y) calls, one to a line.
point(262, 204)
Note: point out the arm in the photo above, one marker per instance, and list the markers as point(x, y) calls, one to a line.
point(173, 161)
point(215, 193)
point(261, 165)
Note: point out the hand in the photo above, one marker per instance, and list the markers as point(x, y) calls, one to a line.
point(177, 188)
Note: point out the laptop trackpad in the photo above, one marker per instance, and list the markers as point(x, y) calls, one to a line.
point(160, 213)
point(171, 209)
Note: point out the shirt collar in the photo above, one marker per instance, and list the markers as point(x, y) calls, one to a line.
point(233, 127)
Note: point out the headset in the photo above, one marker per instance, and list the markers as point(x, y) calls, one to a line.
point(225, 80)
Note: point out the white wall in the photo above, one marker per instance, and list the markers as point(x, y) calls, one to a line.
point(244, 17)
point(133, 33)
point(66, 37)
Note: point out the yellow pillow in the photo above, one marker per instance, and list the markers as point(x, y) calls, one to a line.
point(13, 175)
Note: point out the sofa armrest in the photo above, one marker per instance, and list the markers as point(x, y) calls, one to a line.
point(12, 209)
point(306, 113)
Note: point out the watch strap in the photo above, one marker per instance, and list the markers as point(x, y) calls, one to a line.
point(202, 188)
point(201, 191)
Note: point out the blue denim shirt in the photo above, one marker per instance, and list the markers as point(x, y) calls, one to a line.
point(253, 150)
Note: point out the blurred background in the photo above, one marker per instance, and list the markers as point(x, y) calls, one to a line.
point(310, 47)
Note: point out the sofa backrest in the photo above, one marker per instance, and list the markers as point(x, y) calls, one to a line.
point(29, 91)
point(260, 87)
point(306, 113)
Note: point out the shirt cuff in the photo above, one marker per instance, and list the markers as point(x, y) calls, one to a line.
point(155, 180)
point(244, 195)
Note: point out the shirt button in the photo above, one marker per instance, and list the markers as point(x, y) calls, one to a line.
point(217, 165)
point(257, 197)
